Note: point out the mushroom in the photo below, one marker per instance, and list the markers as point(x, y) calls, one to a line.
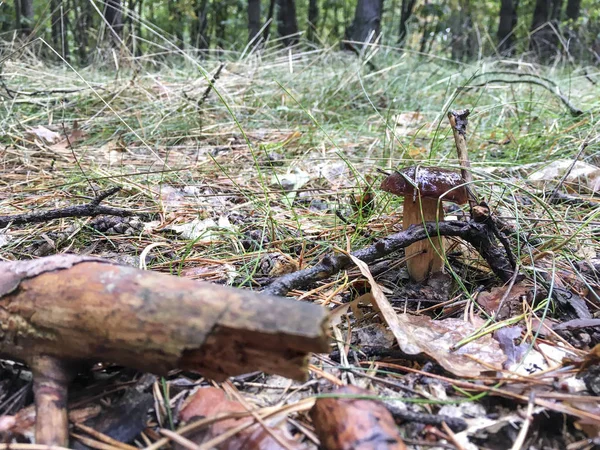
point(422, 188)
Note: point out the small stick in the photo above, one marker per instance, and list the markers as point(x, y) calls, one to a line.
point(93, 208)
point(211, 85)
point(51, 378)
point(458, 122)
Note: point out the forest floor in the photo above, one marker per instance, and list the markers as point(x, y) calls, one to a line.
point(275, 168)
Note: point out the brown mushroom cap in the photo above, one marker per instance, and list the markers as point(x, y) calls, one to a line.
point(432, 182)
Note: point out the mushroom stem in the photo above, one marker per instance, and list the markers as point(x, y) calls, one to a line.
point(423, 258)
point(50, 388)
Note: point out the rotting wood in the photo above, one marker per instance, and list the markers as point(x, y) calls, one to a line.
point(69, 309)
point(81, 308)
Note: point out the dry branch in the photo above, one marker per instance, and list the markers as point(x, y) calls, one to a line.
point(459, 121)
point(573, 110)
point(93, 208)
point(479, 235)
point(68, 309)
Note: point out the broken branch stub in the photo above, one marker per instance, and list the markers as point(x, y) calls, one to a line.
point(76, 308)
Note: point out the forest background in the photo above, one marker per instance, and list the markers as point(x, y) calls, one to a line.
point(457, 29)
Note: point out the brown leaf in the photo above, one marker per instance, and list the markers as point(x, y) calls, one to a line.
point(348, 423)
point(435, 338)
point(44, 134)
point(208, 402)
point(70, 139)
point(491, 301)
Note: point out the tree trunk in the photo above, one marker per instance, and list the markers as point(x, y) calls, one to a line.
point(220, 20)
point(176, 22)
point(313, 19)
point(573, 9)
point(17, 14)
point(287, 24)
point(198, 36)
point(135, 25)
point(405, 14)
point(59, 26)
point(544, 27)
point(506, 26)
point(24, 10)
point(138, 24)
point(81, 28)
point(253, 19)
point(367, 21)
point(270, 15)
point(114, 17)
point(464, 40)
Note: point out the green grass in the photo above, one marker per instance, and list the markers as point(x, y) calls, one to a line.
point(323, 113)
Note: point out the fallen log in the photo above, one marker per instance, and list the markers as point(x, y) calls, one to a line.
point(60, 311)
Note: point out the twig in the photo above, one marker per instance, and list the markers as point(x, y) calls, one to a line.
point(13, 93)
point(451, 436)
point(520, 440)
point(477, 234)
point(455, 423)
point(516, 74)
point(572, 109)
point(503, 240)
point(458, 122)
point(93, 208)
point(211, 85)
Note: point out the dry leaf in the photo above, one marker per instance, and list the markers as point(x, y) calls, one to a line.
point(44, 134)
point(582, 175)
point(208, 402)
point(70, 140)
point(421, 334)
point(490, 301)
point(348, 423)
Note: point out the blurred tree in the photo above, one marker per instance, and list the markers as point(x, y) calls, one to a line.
point(573, 9)
point(313, 19)
point(134, 22)
point(406, 11)
point(24, 13)
point(220, 8)
point(82, 27)
point(545, 27)
point(253, 19)
point(506, 26)
point(366, 25)
point(437, 26)
point(198, 31)
point(6, 21)
point(287, 24)
point(113, 15)
point(270, 14)
point(59, 26)
point(176, 21)
point(464, 43)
